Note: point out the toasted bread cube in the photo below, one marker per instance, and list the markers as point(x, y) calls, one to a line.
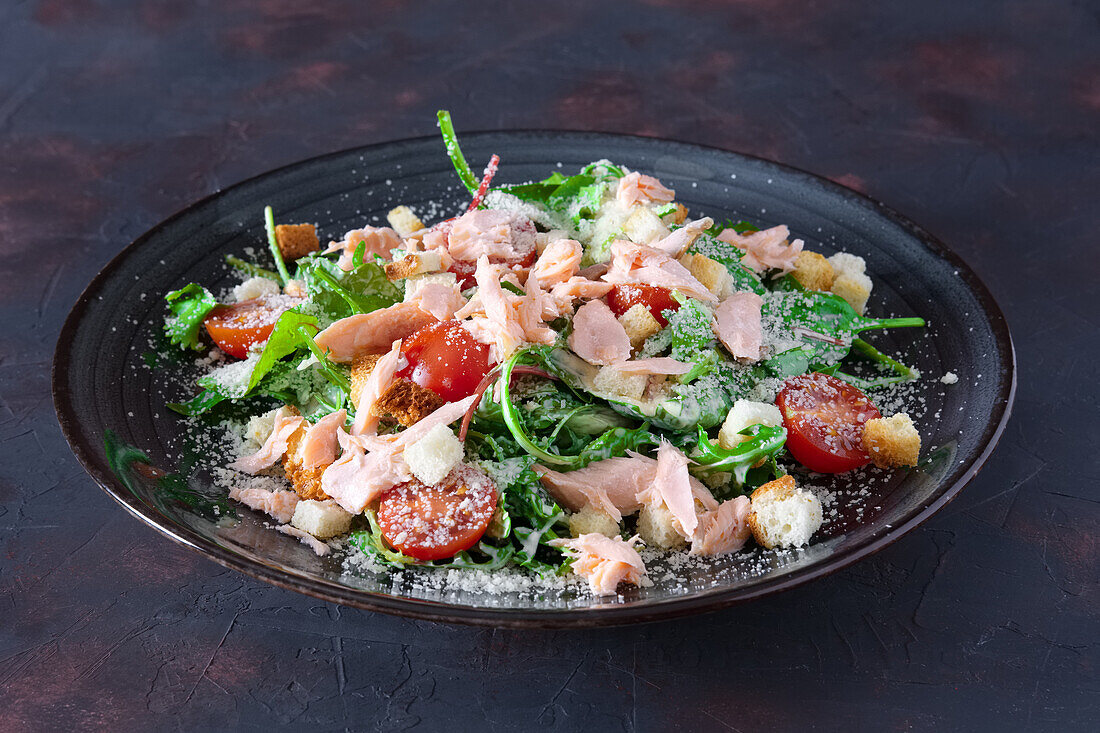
point(679, 216)
point(743, 414)
point(711, 273)
point(643, 226)
point(407, 402)
point(842, 262)
point(260, 427)
point(296, 240)
point(414, 282)
point(892, 441)
point(813, 271)
point(543, 239)
point(296, 288)
point(639, 324)
point(322, 519)
point(610, 381)
point(413, 263)
point(434, 456)
point(783, 515)
point(855, 288)
point(404, 221)
point(658, 528)
point(592, 520)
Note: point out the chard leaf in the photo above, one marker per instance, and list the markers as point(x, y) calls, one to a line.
point(189, 305)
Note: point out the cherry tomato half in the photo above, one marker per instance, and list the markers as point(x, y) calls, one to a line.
point(824, 417)
point(435, 522)
point(446, 359)
point(657, 300)
point(236, 327)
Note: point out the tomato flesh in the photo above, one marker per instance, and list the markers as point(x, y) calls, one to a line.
point(435, 522)
point(824, 417)
point(237, 327)
point(657, 300)
point(446, 359)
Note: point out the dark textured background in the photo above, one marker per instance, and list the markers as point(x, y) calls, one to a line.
point(977, 119)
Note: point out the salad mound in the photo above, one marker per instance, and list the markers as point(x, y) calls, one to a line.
point(567, 371)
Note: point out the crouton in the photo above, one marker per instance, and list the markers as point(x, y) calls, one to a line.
point(322, 519)
point(639, 324)
point(413, 263)
point(644, 227)
point(679, 216)
point(434, 456)
point(657, 527)
point(360, 370)
point(813, 271)
point(592, 520)
point(407, 402)
point(611, 381)
point(743, 414)
point(855, 288)
point(711, 273)
point(306, 482)
point(842, 262)
point(404, 221)
point(783, 515)
point(296, 240)
point(255, 287)
point(413, 283)
point(260, 427)
point(892, 441)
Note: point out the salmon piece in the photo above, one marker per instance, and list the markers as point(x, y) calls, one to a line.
point(605, 562)
point(279, 504)
point(672, 487)
point(319, 547)
point(377, 241)
point(371, 333)
point(532, 310)
point(502, 236)
point(500, 327)
point(374, 386)
point(318, 445)
point(637, 188)
point(737, 325)
point(306, 482)
point(440, 300)
point(564, 293)
point(766, 249)
point(611, 485)
point(370, 465)
point(723, 530)
point(656, 365)
point(638, 264)
point(597, 336)
point(676, 243)
point(287, 421)
point(558, 262)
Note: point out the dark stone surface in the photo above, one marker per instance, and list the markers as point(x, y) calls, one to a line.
point(977, 119)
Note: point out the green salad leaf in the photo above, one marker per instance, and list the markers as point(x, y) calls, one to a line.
point(189, 306)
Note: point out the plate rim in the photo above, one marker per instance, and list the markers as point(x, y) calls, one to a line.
point(609, 615)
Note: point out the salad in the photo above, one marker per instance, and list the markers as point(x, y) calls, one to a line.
point(563, 373)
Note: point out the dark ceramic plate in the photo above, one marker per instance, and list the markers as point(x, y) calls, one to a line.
point(111, 405)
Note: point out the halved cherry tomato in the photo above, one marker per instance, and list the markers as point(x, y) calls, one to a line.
point(435, 522)
point(525, 256)
point(824, 417)
point(236, 327)
point(655, 299)
point(446, 359)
